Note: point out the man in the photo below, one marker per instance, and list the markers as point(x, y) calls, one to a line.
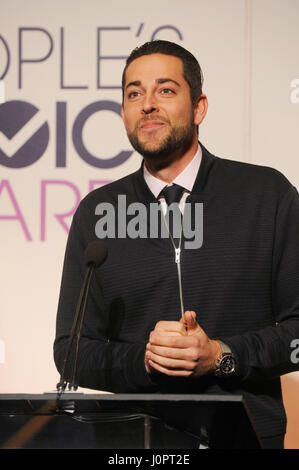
point(229, 326)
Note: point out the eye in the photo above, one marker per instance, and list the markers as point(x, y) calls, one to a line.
point(133, 94)
point(167, 91)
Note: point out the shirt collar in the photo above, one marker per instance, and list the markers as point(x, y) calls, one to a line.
point(185, 179)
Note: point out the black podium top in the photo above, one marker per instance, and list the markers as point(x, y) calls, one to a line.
point(223, 418)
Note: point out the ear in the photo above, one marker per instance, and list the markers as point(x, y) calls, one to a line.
point(200, 109)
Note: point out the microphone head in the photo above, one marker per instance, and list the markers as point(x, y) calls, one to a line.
point(96, 252)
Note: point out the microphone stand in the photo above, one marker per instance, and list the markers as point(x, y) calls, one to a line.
point(75, 333)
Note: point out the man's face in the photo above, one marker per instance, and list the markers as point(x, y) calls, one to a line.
point(157, 110)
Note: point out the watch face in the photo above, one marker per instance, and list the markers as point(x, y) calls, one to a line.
point(227, 365)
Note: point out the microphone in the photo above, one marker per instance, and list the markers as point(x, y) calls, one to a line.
point(96, 253)
point(94, 256)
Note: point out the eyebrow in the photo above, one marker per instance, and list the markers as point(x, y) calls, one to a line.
point(158, 80)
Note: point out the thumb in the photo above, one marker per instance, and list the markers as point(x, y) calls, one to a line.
point(189, 320)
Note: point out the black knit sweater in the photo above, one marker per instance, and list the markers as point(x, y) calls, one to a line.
point(243, 283)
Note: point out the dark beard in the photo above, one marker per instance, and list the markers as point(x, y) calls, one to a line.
point(174, 146)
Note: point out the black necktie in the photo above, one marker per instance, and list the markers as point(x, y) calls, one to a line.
point(172, 194)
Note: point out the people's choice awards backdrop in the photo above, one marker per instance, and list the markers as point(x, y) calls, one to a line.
point(61, 133)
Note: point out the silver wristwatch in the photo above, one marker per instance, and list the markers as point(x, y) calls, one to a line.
point(226, 362)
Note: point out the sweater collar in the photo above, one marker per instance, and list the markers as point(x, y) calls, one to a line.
point(144, 194)
point(185, 179)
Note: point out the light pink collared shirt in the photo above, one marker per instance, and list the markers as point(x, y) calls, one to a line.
point(186, 179)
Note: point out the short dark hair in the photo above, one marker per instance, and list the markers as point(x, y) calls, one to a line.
point(191, 68)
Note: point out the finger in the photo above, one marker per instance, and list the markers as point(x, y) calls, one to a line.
point(170, 363)
point(170, 326)
point(190, 320)
point(186, 354)
point(193, 327)
point(167, 333)
point(170, 340)
point(187, 320)
point(187, 315)
point(170, 372)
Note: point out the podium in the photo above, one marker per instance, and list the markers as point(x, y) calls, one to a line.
point(125, 421)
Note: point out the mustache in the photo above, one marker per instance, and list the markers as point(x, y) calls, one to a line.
point(151, 117)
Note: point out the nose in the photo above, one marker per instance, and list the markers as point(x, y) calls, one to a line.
point(149, 104)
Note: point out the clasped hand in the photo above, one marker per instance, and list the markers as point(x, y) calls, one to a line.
point(181, 348)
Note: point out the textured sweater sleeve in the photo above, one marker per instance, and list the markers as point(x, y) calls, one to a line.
point(266, 353)
point(102, 363)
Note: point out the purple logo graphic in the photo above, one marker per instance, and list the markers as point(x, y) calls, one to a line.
point(14, 116)
point(78, 141)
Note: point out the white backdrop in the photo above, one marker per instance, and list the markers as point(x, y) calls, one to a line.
point(60, 129)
